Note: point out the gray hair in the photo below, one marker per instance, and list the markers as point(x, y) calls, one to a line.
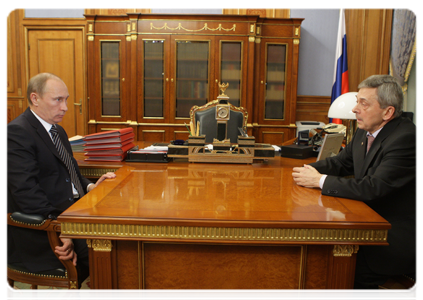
point(389, 91)
point(38, 83)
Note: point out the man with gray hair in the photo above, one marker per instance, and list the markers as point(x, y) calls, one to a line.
point(377, 167)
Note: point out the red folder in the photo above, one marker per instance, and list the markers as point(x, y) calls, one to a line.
point(111, 152)
point(106, 158)
point(107, 146)
point(110, 140)
point(108, 134)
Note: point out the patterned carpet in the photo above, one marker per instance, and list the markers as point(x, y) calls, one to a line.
point(23, 291)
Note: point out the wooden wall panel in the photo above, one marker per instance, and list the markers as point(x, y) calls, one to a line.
point(116, 11)
point(368, 43)
point(313, 108)
point(262, 12)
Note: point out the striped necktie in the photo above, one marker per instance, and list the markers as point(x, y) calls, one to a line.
point(66, 158)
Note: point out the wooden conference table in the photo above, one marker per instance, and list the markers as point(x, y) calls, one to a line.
point(181, 225)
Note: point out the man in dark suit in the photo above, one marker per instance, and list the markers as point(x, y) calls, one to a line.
point(39, 180)
point(384, 178)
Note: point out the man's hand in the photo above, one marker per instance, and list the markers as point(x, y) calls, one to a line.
point(306, 176)
point(66, 251)
point(108, 175)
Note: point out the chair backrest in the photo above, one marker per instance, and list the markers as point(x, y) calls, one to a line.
point(206, 115)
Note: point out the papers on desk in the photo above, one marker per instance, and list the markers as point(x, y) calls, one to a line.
point(277, 148)
point(153, 153)
point(77, 143)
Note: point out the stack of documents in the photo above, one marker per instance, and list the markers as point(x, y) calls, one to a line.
point(77, 143)
point(109, 145)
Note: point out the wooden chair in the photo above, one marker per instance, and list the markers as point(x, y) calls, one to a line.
point(66, 277)
point(207, 116)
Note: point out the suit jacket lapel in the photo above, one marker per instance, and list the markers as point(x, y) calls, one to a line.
point(41, 131)
point(377, 143)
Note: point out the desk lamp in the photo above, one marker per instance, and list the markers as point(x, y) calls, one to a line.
point(341, 108)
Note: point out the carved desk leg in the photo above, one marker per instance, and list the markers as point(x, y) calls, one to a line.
point(100, 252)
point(342, 267)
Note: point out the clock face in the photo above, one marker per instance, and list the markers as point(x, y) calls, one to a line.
point(223, 112)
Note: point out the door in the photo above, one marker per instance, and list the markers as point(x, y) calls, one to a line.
point(61, 52)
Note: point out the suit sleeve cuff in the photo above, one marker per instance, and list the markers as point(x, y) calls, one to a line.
point(322, 181)
point(88, 187)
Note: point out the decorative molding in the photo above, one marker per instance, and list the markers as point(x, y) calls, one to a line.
point(344, 250)
point(41, 275)
point(362, 236)
point(73, 284)
point(100, 245)
point(95, 173)
point(180, 27)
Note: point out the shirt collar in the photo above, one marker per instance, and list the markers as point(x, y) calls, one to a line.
point(374, 134)
point(45, 124)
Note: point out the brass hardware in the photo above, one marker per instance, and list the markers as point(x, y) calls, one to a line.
point(80, 106)
point(297, 31)
point(205, 27)
point(167, 79)
point(252, 28)
point(344, 250)
point(217, 81)
point(296, 41)
point(91, 38)
point(171, 80)
point(101, 245)
point(123, 79)
point(261, 82)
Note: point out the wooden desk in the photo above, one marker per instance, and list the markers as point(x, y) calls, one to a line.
point(219, 226)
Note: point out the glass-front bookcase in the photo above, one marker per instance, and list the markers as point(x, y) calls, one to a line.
point(154, 80)
point(231, 70)
point(274, 107)
point(110, 78)
point(192, 75)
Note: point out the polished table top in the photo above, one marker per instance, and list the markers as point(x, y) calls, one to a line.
point(180, 194)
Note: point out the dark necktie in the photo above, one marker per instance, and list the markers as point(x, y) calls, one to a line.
point(370, 140)
point(66, 158)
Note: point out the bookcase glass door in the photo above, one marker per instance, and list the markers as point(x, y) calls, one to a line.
point(192, 75)
point(231, 71)
point(275, 81)
point(153, 78)
point(110, 78)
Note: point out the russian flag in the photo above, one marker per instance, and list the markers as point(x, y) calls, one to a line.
point(340, 74)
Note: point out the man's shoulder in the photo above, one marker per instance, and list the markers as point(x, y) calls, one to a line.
point(22, 120)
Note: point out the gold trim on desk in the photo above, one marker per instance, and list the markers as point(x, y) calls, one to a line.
point(300, 235)
point(96, 172)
